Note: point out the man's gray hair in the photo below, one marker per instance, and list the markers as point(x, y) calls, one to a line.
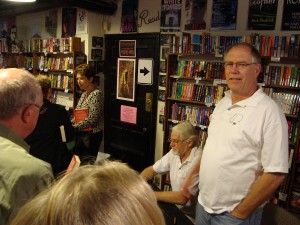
point(18, 88)
point(186, 131)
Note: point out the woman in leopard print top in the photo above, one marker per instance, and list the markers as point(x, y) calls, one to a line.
point(92, 99)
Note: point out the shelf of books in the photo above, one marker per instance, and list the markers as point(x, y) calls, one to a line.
point(195, 83)
point(55, 57)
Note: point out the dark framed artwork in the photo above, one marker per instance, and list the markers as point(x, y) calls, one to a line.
point(96, 54)
point(97, 42)
point(126, 79)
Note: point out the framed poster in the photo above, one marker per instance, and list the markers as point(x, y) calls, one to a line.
point(126, 79)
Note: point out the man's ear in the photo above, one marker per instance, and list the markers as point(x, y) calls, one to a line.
point(26, 114)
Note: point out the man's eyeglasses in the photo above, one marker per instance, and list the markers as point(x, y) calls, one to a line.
point(176, 142)
point(239, 65)
point(37, 106)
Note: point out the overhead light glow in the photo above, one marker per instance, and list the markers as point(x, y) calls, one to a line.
point(21, 0)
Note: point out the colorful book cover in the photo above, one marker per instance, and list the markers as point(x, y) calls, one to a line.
point(129, 16)
point(224, 14)
point(170, 16)
point(81, 114)
point(195, 11)
point(262, 15)
point(290, 15)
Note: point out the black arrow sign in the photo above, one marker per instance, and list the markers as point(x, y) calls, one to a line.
point(144, 71)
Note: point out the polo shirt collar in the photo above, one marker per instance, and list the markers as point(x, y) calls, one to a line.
point(251, 101)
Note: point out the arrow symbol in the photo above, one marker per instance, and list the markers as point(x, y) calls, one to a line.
point(144, 71)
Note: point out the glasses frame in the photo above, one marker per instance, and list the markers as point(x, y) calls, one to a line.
point(238, 65)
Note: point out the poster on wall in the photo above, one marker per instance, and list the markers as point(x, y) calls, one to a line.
point(129, 16)
point(51, 22)
point(126, 79)
point(262, 15)
point(224, 13)
point(127, 48)
point(81, 26)
point(68, 22)
point(291, 15)
point(170, 16)
point(195, 11)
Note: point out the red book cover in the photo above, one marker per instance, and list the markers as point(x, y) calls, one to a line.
point(81, 114)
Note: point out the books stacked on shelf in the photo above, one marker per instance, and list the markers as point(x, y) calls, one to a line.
point(59, 63)
point(293, 130)
point(207, 94)
point(200, 69)
point(70, 44)
point(205, 43)
point(62, 81)
point(197, 115)
point(282, 75)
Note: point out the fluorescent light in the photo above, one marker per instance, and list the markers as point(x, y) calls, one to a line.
point(21, 0)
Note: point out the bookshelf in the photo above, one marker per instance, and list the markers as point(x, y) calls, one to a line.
point(195, 83)
point(281, 82)
point(55, 57)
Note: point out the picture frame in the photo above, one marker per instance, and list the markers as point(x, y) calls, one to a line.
point(97, 42)
point(162, 66)
point(96, 54)
point(162, 80)
point(126, 79)
point(164, 50)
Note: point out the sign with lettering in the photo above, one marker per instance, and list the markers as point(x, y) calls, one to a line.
point(127, 48)
point(291, 15)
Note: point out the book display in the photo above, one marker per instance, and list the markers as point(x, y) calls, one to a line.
point(281, 82)
point(195, 83)
point(55, 57)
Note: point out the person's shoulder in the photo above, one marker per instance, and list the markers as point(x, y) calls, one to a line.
point(23, 164)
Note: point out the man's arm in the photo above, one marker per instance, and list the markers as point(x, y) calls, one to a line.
point(175, 197)
point(260, 192)
point(194, 171)
point(148, 173)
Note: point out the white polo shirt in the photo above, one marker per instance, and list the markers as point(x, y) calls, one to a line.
point(178, 172)
point(244, 140)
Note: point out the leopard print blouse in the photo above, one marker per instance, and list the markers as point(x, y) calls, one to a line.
point(94, 103)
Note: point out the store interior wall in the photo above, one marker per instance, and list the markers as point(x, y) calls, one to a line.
point(99, 25)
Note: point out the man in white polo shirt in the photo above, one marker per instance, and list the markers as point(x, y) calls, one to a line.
point(245, 157)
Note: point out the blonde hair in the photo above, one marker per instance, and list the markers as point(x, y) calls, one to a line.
point(111, 193)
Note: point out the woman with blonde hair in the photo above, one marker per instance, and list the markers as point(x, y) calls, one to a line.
point(111, 193)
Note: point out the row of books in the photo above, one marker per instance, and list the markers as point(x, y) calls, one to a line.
point(201, 69)
point(288, 102)
point(68, 44)
point(205, 43)
point(198, 116)
point(282, 75)
point(293, 130)
point(61, 81)
point(210, 95)
point(54, 63)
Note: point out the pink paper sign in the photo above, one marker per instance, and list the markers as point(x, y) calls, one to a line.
point(128, 114)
